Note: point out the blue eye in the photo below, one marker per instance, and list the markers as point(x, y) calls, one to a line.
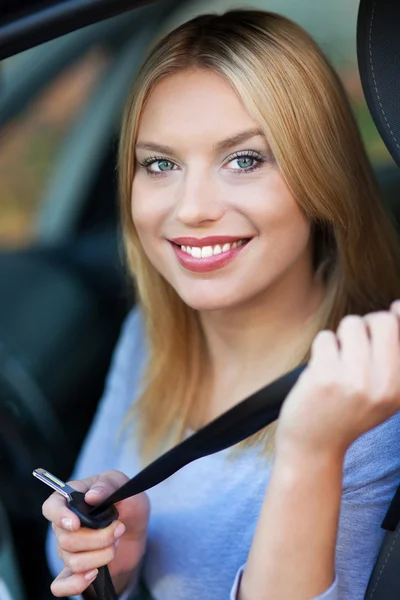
point(164, 165)
point(156, 165)
point(245, 162)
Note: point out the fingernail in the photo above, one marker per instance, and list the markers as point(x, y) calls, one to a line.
point(119, 530)
point(66, 523)
point(91, 575)
point(117, 544)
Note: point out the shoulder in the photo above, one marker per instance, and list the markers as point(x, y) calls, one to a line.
point(132, 330)
point(374, 457)
point(126, 368)
point(131, 344)
point(120, 391)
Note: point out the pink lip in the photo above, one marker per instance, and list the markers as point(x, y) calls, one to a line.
point(211, 263)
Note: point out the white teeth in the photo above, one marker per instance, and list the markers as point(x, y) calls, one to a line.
point(196, 252)
point(207, 251)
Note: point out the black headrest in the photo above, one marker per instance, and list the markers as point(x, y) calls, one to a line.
point(378, 48)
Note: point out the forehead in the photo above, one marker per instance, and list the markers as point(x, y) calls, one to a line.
point(193, 105)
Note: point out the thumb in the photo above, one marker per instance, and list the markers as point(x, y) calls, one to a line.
point(104, 485)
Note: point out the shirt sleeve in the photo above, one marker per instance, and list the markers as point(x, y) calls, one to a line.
point(102, 444)
point(370, 480)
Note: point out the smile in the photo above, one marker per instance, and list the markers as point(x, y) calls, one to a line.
point(207, 251)
point(207, 254)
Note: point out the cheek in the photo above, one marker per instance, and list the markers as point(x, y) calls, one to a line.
point(147, 209)
point(272, 208)
point(290, 239)
point(287, 223)
point(288, 228)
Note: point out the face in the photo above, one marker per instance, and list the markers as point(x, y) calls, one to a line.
point(210, 206)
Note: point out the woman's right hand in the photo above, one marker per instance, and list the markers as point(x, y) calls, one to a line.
point(84, 550)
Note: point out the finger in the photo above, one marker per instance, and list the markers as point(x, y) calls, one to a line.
point(395, 310)
point(55, 510)
point(104, 485)
point(324, 351)
point(324, 362)
point(89, 539)
point(81, 562)
point(355, 352)
point(71, 584)
point(384, 333)
point(395, 307)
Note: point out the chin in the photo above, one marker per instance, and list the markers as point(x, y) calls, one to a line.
point(209, 302)
point(208, 306)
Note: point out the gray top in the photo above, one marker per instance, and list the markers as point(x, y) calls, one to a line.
point(203, 518)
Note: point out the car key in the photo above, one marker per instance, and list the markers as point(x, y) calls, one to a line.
point(76, 501)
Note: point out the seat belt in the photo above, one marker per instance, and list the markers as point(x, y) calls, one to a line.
point(243, 420)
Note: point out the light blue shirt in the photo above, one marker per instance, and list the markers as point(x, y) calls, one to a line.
point(203, 518)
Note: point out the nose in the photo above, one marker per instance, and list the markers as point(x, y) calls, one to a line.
point(199, 201)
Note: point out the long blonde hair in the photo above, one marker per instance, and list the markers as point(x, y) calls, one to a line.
point(295, 97)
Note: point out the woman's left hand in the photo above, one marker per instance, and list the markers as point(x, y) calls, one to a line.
point(351, 384)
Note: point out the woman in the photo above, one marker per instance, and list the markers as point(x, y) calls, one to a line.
point(252, 222)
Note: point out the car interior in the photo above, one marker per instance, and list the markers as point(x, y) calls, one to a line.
point(64, 289)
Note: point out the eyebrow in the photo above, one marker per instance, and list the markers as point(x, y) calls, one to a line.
point(222, 145)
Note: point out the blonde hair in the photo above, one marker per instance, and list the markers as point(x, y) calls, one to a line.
point(295, 97)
